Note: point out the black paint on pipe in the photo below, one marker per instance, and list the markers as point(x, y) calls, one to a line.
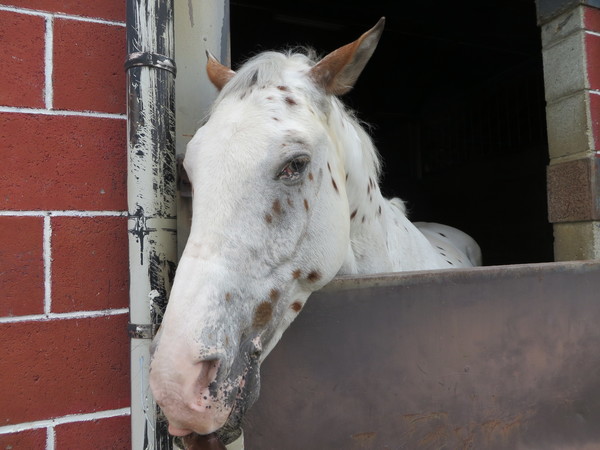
point(151, 147)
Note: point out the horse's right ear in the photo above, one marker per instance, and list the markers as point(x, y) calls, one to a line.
point(218, 74)
point(338, 71)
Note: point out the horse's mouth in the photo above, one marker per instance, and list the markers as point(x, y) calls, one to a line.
point(201, 442)
point(218, 439)
point(212, 441)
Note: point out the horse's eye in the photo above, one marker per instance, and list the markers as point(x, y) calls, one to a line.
point(294, 169)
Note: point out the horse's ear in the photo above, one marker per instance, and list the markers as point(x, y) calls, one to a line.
point(218, 74)
point(338, 71)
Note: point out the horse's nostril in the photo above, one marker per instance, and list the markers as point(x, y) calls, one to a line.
point(208, 370)
point(256, 348)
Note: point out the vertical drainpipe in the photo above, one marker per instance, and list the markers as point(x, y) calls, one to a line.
point(151, 188)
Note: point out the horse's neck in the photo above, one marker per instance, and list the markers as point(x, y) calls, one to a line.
point(382, 239)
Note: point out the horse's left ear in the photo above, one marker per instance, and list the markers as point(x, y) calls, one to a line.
point(218, 74)
point(338, 71)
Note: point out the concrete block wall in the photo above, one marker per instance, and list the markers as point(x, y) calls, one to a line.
point(571, 52)
point(64, 367)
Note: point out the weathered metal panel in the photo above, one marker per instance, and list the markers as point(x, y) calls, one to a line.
point(490, 358)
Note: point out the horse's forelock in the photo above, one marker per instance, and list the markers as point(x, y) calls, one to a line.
point(268, 69)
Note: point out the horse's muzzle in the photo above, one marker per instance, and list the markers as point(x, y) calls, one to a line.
point(207, 396)
point(190, 396)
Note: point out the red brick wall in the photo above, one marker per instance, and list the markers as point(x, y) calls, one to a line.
point(63, 231)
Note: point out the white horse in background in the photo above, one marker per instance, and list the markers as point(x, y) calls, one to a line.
point(286, 196)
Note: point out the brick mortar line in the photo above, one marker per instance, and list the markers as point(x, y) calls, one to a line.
point(64, 316)
point(552, 42)
point(581, 31)
point(61, 112)
point(71, 418)
point(48, 63)
point(50, 438)
point(47, 258)
point(40, 13)
point(571, 94)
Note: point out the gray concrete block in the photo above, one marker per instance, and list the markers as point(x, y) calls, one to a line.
point(568, 127)
point(577, 241)
point(564, 72)
point(562, 26)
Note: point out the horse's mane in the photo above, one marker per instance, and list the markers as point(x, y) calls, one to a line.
point(289, 68)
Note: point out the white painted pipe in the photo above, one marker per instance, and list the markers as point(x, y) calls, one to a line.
point(151, 186)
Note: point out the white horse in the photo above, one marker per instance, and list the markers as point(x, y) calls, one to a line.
point(286, 196)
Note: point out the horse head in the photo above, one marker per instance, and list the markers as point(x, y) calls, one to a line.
point(271, 221)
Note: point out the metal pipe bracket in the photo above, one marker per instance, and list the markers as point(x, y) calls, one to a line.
point(149, 59)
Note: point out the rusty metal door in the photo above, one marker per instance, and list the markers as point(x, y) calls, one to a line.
point(490, 358)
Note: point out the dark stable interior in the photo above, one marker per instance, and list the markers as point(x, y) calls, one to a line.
point(454, 95)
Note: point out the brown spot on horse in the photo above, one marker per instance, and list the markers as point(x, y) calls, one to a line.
point(306, 207)
point(262, 314)
point(296, 274)
point(277, 207)
point(274, 295)
point(296, 306)
point(315, 275)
